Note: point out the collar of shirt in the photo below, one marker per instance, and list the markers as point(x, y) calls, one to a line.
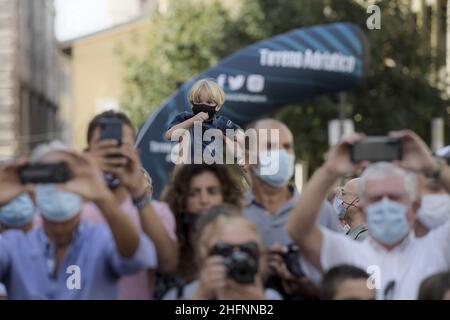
point(354, 233)
point(49, 248)
point(402, 246)
point(251, 201)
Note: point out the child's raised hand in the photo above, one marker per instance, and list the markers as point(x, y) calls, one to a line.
point(200, 117)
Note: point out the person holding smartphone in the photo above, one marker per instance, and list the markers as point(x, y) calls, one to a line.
point(389, 198)
point(111, 138)
point(18, 214)
point(66, 257)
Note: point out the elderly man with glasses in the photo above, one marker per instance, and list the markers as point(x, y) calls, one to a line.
point(346, 203)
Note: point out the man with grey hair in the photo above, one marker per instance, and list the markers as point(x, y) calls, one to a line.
point(66, 257)
point(396, 260)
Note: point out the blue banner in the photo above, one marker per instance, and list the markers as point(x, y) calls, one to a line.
point(261, 78)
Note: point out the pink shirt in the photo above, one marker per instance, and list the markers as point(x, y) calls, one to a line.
point(139, 286)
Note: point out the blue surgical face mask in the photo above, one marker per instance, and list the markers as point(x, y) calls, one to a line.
point(342, 207)
point(56, 205)
point(18, 212)
point(387, 222)
point(338, 206)
point(276, 168)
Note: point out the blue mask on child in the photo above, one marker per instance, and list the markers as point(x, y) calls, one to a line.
point(387, 222)
point(56, 205)
point(18, 212)
point(283, 164)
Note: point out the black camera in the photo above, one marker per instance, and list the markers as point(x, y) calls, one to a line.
point(241, 261)
point(45, 173)
point(292, 260)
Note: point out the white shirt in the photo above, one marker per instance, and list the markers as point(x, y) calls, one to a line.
point(2, 290)
point(406, 265)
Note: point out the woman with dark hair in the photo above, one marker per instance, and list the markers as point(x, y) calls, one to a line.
point(192, 192)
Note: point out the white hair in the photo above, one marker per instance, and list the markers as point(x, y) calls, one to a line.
point(382, 170)
point(44, 149)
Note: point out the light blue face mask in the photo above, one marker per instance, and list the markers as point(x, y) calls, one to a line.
point(387, 222)
point(276, 168)
point(338, 206)
point(56, 205)
point(18, 212)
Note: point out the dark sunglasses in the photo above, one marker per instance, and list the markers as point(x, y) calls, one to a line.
point(226, 249)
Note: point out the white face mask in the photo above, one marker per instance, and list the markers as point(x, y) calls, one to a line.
point(434, 210)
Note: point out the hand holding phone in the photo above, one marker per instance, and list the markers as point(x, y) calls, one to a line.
point(111, 129)
point(45, 173)
point(376, 148)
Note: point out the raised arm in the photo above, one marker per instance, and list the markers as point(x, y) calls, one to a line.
point(200, 117)
point(417, 157)
point(88, 182)
point(235, 144)
point(10, 185)
point(302, 220)
point(140, 187)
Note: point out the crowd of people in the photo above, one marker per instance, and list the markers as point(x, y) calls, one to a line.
point(225, 232)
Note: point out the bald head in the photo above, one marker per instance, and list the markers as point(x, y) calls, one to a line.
point(352, 186)
point(350, 197)
point(268, 123)
point(284, 139)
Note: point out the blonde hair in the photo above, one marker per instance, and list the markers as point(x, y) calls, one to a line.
point(208, 237)
point(209, 88)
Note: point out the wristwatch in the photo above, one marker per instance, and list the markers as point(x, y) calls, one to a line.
point(142, 201)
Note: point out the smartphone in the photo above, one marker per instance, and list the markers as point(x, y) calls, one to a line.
point(111, 129)
point(45, 173)
point(376, 148)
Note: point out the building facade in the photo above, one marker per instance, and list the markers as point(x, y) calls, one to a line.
point(28, 76)
point(93, 72)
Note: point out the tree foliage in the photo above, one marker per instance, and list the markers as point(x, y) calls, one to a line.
point(395, 94)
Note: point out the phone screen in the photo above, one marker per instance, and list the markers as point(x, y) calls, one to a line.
point(376, 149)
point(111, 129)
point(45, 173)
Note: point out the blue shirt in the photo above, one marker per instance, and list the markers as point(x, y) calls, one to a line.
point(27, 263)
point(217, 122)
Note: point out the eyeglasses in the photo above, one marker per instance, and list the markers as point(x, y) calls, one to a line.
point(341, 193)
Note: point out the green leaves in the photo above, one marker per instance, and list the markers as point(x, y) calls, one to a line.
point(396, 93)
